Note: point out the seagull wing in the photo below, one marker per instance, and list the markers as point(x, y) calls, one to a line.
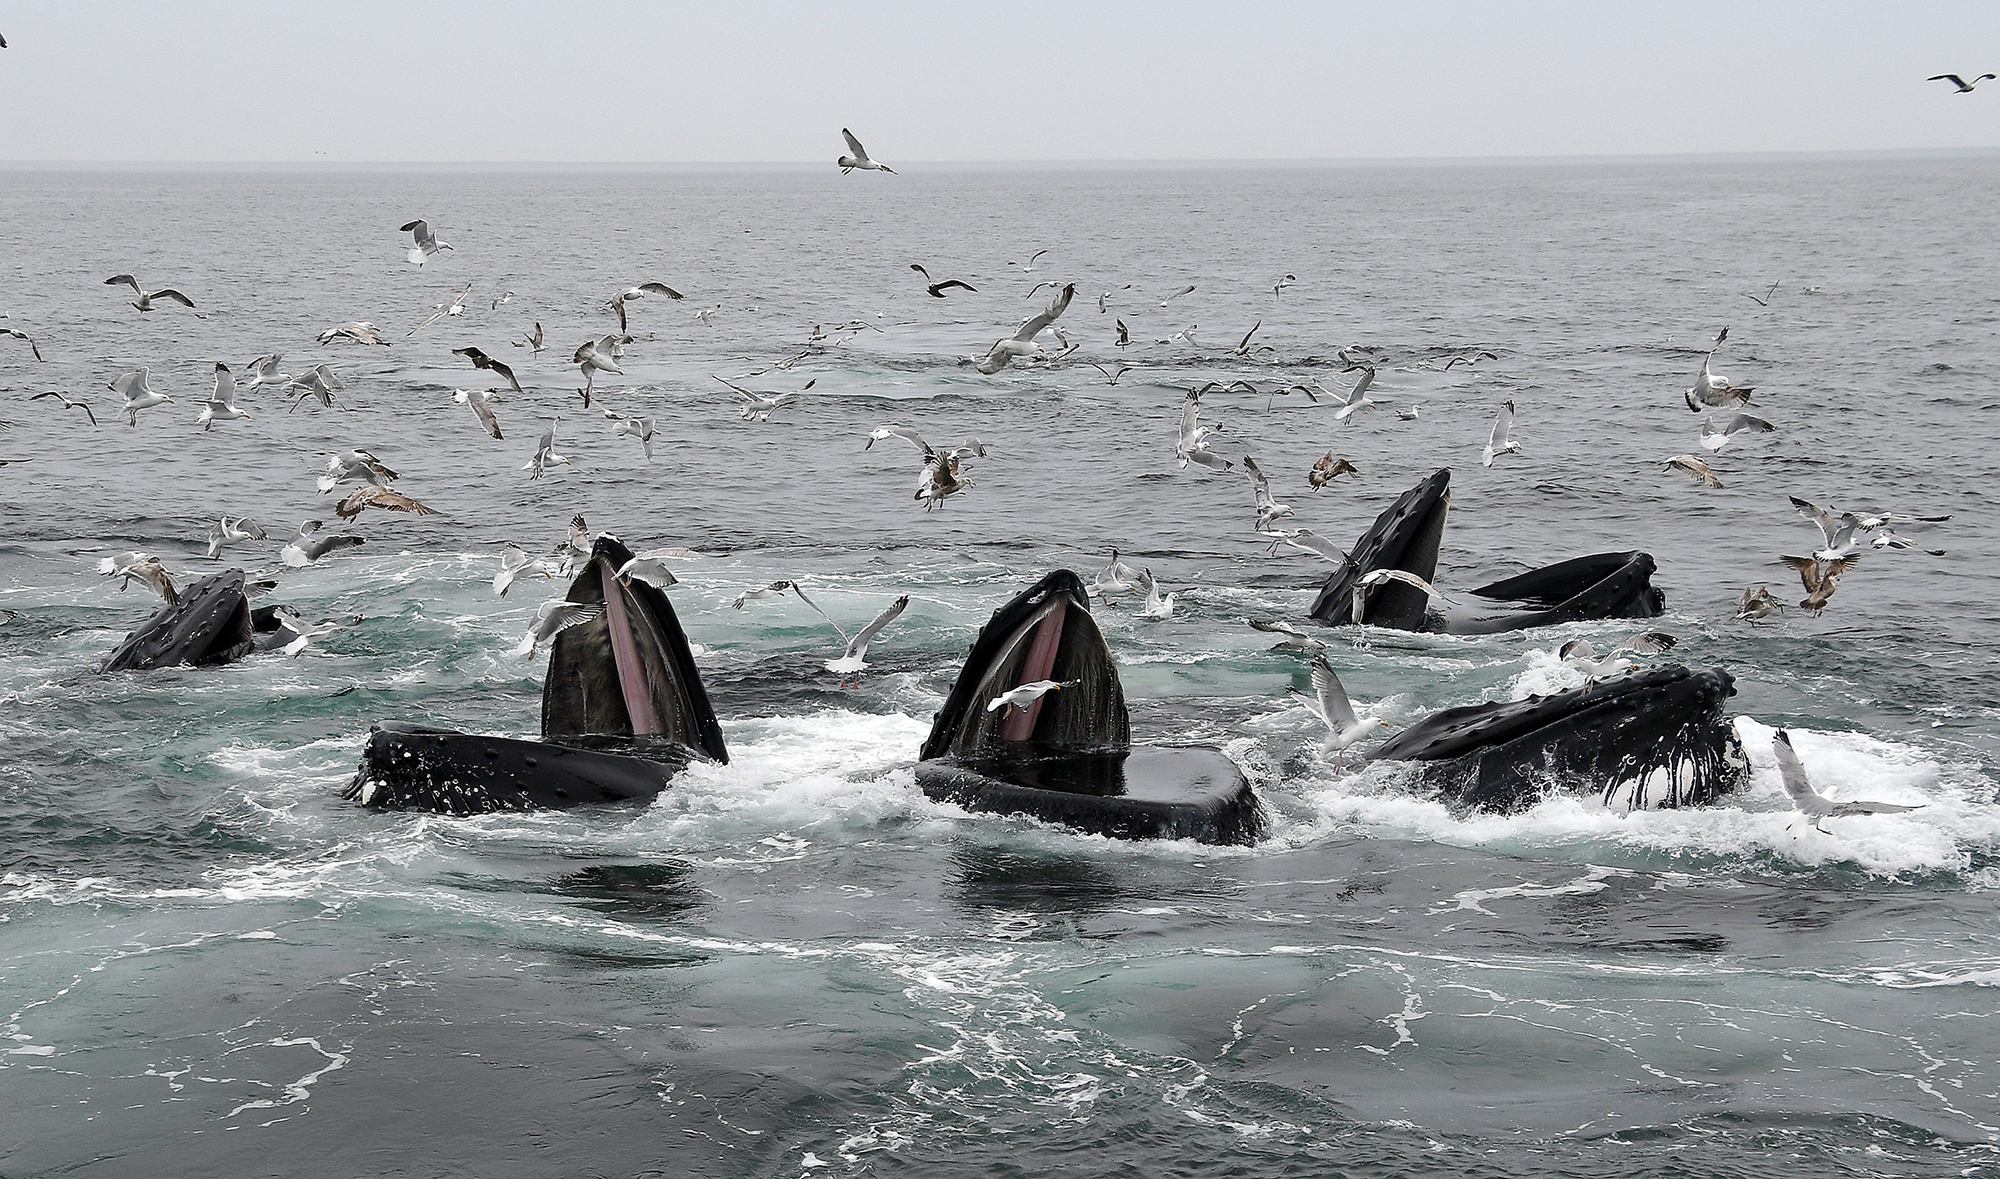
point(853, 144)
point(1650, 643)
point(127, 279)
point(1049, 314)
point(1259, 483)
point(796, 588)
point(659, 288)
point(858, 644)
point(1333, 702)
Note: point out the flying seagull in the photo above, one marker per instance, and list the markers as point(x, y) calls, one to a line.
point(481, 360)
point(860, 157)
point(371, 496)
point(1327, 468)
point(1330, 704)
point(1716, 435)
point(1964, 87)
point(146, 298)
point(1501, 440)
point(852, 661)
point(1268, 509)
point(69, 404)
point(1027, 694)
point(221, 405)
point(18, 334)
point(936, 290)
point(1811, 803)
point(1696, 468)
point(619, 300)
point(481, 403)
point(1022, 342)
point(554, 617)
point(360, 331)
point(138, 394)
point(1712, 389)
point(229, 530)
point(308, 547)
point(1579, 654)
point(426, 241)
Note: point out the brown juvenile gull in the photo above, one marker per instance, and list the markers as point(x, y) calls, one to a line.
point(370, 496)
point(480, 360)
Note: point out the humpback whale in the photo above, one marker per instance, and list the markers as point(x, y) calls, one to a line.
point(1067, 756)
point(209, 623)
point(1408, 535)
point(1661, 732)
point(623, 709)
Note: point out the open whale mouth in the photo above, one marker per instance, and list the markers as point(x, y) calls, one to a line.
point(623, 709)
point(1406, 536)
point(209, 623)
point(628, 672)
point(1045, 633)
point(1659, 734)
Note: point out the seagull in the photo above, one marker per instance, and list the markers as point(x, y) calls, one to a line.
point(482, 361)
point(1501, 440)
point(515, 562)
point(1124, 339)
point(1366, 585)
point(1186, 290)
point(502, 297)
point(370, 496)
point(937, 289)
point(640, 428)
point(531, 340)
point(1327, 469)
point(69, 404)
point(138, 394)
point(1116, 577)
point(552, 618)
point(318, 381)
point(545, 455)
point(1711, 389)
point(650, 568)
point(1243, 346)
point(360, 331)
point(1308, 541)
point(426, 242)
point(860, 157)
point(1111, 375)
point(1811, 803)
point(852, 661)
point(141, 567)
point(1580, 654)
point(1838, 531)
point(1022, 342)
point(1766, 300)
point(1028, 267)
point(221, 405)
point(598, 356)
point(1330, 704)
point(1409, 413)
point(1192, 443)
point(264, 371)
point(1964, 87)
point(440, 310)
point(778, 589)
point(1696, 468)
point(351, 466)
point(1820, 578)
point(1715, 436)
point(1268, 509)
point(1290, 638)
point(146, 298)
point(1025, 695)
point(1278, 287)
point(1468, 359)
point(1104, 298)
point(1356, 398)
point(1887, 538)
point(619, 300)
point(18, 334)
point(757, 406)
point(306, 547)
point(481, 401)
point(576, 546)
point(1157, 604)
point(1756, 603)
point(1185, 336)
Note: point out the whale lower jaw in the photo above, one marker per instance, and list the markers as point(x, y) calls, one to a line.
point(416, 767)
point(1141, 792)
point(1651, 739)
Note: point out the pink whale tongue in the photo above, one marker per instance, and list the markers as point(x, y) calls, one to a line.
point(625, 653)
point(1041, 660)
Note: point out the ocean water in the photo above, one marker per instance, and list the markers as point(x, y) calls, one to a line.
point(795, 963)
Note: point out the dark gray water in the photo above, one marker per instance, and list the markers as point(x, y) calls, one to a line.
point(208, 962)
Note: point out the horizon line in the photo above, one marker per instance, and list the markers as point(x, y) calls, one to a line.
point(1911, 153)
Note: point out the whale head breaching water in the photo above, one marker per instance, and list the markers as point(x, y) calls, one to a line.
point(623, 709)
point(1655, 738)
point(1408, 535)
point(1067, 755)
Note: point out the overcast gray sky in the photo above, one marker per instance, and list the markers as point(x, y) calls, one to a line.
point(538, 81)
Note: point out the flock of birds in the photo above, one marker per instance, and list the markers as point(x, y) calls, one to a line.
point(1038, 339)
